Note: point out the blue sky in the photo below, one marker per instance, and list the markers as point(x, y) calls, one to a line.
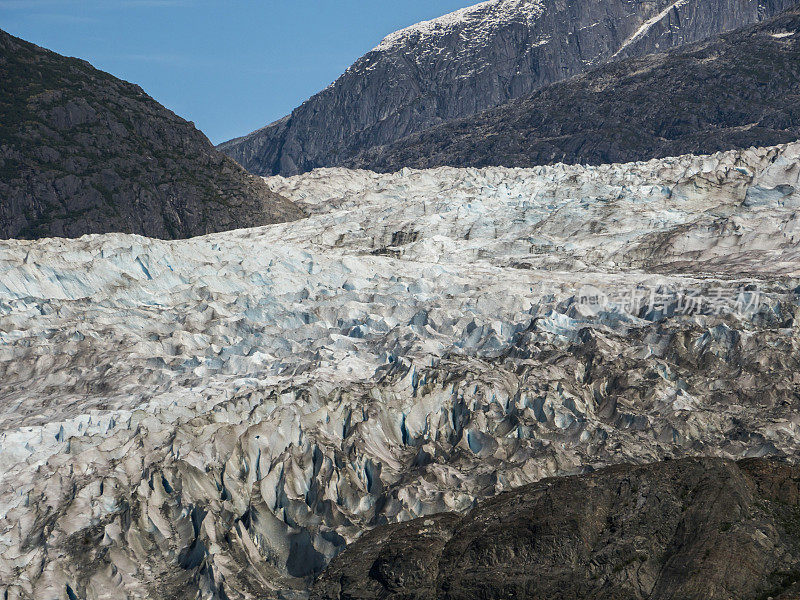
point(231, 66)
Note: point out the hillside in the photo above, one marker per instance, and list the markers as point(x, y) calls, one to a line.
point(84, 152)
point(738, 90)
point(619, 533)
point(474, 59)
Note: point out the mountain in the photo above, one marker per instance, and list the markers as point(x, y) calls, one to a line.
point(738, 90)
point(474, 59)
point(660, 531)
point(84, 152)
point(222, 416)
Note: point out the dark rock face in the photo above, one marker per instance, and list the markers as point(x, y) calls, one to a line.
point(739, 90)
point(83, 152)
point(689, 529)
point(472, 60)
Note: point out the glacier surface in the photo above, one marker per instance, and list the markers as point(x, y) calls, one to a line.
point(218, 417)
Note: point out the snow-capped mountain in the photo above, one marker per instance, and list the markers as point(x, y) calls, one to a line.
point(735, 90)
point(219, 417)
point(474, 59)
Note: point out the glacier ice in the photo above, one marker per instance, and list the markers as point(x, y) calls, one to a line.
point(219, 417)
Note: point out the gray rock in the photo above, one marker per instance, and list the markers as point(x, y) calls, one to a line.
point(735, 91)
point(472, 60)
point(83, 152)
point(694, 529)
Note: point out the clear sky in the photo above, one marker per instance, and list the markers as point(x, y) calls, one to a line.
point(231, 66)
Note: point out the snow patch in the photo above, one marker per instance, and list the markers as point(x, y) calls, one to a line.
point(480, 18)
point(647, 25)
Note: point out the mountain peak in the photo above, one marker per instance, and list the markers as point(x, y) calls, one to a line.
point(84, 152)
point(474, 59)
point(736, 90)
point(480, 18)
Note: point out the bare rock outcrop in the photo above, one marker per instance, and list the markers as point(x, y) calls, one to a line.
point(734, 91)
point(472, 60)
point(694, 529)
point(83, 152)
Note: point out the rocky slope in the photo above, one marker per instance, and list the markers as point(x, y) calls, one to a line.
point(735, 91)
point(83, 152)
point(220, 417)
point(472, 60)
point(694, 529)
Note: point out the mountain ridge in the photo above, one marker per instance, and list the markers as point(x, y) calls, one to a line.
point(82, 151)
point(449, 68)
point(735, 91)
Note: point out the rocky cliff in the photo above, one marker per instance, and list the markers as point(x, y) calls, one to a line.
point(738, 90)
point(694, 529)
point(472, 60)
point(83, 152)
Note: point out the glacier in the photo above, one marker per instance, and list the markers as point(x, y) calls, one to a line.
point(219, 417)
